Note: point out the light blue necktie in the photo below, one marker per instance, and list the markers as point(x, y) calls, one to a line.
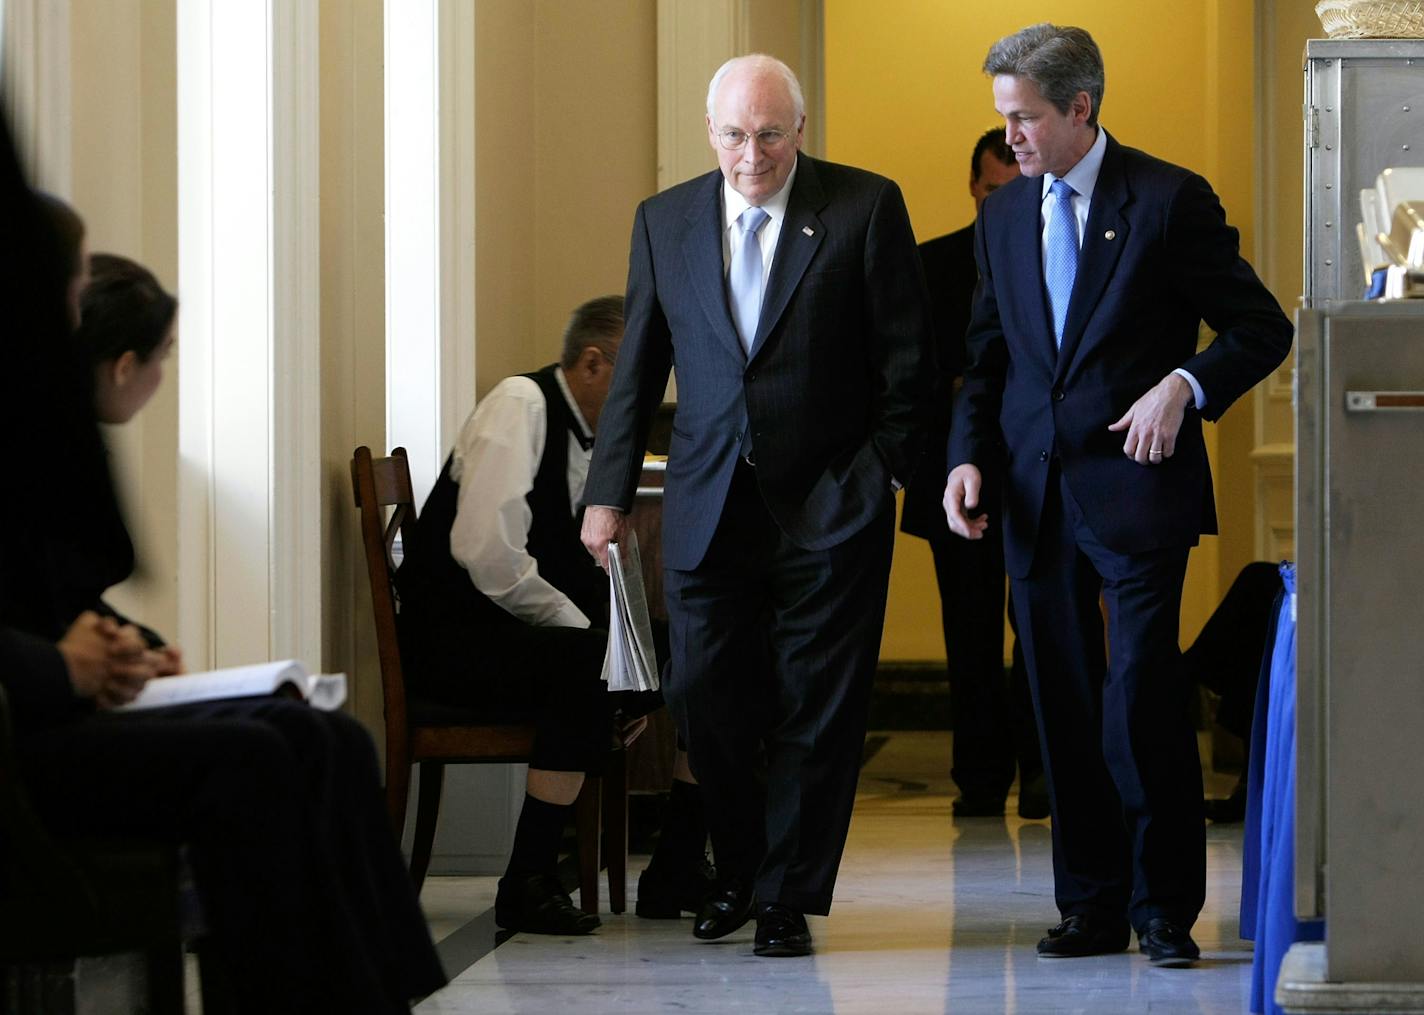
point(1061, 260)
point(744, 279)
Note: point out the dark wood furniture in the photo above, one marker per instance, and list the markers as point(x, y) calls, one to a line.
point(434, 735)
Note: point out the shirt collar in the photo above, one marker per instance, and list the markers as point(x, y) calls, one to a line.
point(573, 406)
point(733, 203)
point(1083, 177)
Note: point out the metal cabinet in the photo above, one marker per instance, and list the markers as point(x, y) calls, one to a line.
point(1364, 112)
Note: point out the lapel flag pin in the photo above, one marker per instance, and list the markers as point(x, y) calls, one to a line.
point(808, 230)
point(1109, 235)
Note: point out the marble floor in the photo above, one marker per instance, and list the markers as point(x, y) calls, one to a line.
point(931, 915)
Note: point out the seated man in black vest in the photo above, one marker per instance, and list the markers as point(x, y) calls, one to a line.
point(502, 607)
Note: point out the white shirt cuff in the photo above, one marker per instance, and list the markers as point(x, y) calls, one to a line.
point(1197, 394)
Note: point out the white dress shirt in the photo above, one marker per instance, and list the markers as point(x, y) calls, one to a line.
point(501, 445)
point(733, 204)
point(1083, 177)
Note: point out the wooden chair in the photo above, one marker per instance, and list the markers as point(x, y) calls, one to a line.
point(434, 735)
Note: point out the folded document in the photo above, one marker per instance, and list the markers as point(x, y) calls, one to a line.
point(630, 663)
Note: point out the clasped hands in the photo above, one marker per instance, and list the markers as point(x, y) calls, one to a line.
point(1152, 425)
point(110, 662)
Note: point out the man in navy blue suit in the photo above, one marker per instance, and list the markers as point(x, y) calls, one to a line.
point(1097, 267)
point(789, 294)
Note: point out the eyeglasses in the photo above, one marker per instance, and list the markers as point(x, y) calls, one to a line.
point(734, 138)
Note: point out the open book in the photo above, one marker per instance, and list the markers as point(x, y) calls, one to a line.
point(630, 663)
point(325, 691)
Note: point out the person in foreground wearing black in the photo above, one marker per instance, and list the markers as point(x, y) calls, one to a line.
point(993, 718)
point(1097, 267)
point(302, 887)
point(502, 608)
point(788, 292)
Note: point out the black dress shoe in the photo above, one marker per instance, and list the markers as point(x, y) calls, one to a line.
point(781, 932)
point(665, 893)
point(1033, 798)
point(538, 904)
point(1167, 944)
point(726, 909)
point(976, 805)
point(1081, 935)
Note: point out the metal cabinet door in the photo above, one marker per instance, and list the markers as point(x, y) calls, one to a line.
point(1373, 599)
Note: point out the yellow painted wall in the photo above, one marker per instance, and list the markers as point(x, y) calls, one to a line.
point(905, 97)
point(560, 165)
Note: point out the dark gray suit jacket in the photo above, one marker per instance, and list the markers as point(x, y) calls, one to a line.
point(834, 389)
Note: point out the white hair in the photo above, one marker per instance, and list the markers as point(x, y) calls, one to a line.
point(765, 62)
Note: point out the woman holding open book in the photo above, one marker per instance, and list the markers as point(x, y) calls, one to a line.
point(303, 891)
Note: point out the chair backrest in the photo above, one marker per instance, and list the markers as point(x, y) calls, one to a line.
point(380, 483)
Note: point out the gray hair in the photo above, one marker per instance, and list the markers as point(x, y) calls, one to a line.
point(1061, 61)
point(764, 62)
point(597, 323)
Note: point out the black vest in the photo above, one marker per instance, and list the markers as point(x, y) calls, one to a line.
point(432, 583)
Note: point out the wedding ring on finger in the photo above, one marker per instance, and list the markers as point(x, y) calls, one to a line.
point(1154, 453)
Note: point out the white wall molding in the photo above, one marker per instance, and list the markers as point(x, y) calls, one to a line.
point(36, 77)
point(249, 379)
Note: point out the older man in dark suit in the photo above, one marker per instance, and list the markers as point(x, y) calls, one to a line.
point(1097, 267)
point(788, 292)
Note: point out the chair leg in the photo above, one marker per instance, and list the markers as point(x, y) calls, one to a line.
point(615, 829)
point(165, 977)
point(432, 778)
point(586, 817)
point(397, 782)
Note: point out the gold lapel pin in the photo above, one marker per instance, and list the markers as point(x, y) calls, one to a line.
point(808, 230)
point(1110, 235)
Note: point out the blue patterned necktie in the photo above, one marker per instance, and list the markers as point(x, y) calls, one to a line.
point(744, 279)
point(1061, 260)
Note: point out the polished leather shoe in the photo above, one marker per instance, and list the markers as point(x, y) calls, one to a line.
point(975, 805)
point(665, 893)
point(1167, 944)
point(1081, 935)
point(1033, 798)
point(538, 904)
point(726, 909)
point(781, 932)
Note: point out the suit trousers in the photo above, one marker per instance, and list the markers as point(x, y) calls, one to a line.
point(1120, 751)
point(993, 716)
point(307, 899)
point(774, 649)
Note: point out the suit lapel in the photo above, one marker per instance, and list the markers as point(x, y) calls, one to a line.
point(1104, 237)
point(702, 250)
point(801, 234)
point(1025, 249)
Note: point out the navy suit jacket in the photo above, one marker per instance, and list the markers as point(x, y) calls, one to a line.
point(836, 384)
point(1157, 259)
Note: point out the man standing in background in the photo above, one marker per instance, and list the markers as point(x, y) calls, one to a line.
point(993, 720)
point(788, 292)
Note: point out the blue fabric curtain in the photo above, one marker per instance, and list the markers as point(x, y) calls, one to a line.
point(1268, 860)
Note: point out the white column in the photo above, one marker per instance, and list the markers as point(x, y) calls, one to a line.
point(430, 377)
point(36, 83)
point(249, 382)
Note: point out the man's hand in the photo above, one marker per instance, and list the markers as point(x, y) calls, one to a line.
point(131, 665)
point(961, 495)
point(1153, 421)
point(601, 526)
